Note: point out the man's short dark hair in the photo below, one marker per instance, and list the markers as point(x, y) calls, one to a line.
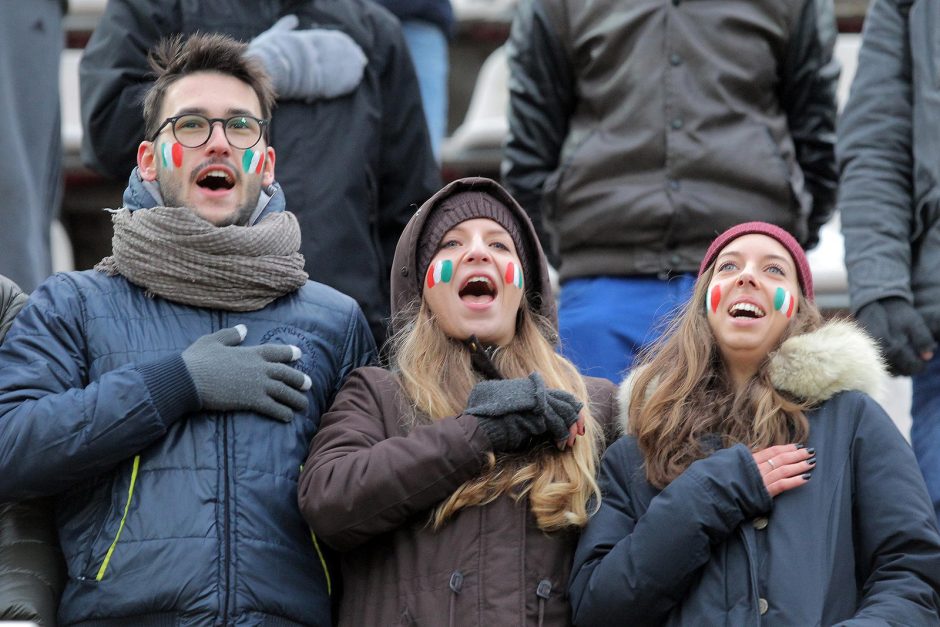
point(175, 57)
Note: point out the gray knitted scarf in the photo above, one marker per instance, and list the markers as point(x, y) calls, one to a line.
point(177, 255)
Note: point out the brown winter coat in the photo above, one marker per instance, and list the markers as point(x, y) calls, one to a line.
point(369, 487)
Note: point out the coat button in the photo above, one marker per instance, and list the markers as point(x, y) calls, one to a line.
point(404, 270)
point(676, 123)
point(760, 522)
point(762, 605)
point(675, 59)
point(674, 185)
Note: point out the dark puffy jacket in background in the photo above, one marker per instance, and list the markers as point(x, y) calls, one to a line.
point(168, 518)
point(437, 12)
point(353, 168)
point(640, 130)
point(31, 569)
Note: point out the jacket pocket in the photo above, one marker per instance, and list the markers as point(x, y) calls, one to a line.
point(102, 548)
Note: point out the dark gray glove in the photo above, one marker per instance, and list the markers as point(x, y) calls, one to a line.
point(513, 411)
point(308, 64)
point(229, 377)
point(900, 330)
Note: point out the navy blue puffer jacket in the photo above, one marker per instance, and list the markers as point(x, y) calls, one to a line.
point(168, 517)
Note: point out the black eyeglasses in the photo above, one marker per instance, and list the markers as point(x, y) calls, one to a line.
point(193, 130)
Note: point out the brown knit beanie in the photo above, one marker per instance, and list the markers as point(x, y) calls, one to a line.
point(461, 207)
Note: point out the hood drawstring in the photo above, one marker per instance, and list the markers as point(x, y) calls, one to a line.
point(456, 582)
point(481, 358)
point(543, 591)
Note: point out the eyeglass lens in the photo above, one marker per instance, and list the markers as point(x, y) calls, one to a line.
point(194, 130)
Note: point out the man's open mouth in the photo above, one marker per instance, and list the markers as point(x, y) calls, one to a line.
point(215, 180)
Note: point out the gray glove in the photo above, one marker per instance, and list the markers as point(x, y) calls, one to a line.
point(900, 330)
point(308, 64)
point(247, 378)
point(513, 411)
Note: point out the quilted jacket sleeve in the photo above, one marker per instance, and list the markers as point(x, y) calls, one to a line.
point(363, 477)
point(876, 161)
point(58, 427)
point(809, 79)
point(635, 561)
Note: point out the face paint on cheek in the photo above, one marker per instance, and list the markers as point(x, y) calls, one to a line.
point(252, 161)
point(441, 271)
point(171, 155)
point(784, 302)
point(513, 275)
point(714, 298)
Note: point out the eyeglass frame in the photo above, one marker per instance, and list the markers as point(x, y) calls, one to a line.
point(262, 124)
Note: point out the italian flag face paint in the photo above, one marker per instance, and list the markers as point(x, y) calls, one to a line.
point(171, 155)
point(513, 275)
point(252, 161)
point(714, 298)
point(441, 271)
point(784, 302)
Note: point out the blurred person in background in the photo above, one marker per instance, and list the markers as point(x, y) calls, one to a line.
point(637, 131)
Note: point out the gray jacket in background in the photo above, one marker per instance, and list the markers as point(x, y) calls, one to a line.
point(889, 154)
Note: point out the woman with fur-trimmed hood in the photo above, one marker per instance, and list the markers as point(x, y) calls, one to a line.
point(758, 482)
point(454, 483)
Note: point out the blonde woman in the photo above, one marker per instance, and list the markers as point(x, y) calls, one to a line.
point(759, 484)
point(455, 482)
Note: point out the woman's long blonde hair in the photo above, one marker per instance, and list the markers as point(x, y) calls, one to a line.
point(437, 377)
point(683, 399)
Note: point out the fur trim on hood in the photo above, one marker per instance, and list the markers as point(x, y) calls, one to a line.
point(837, 357)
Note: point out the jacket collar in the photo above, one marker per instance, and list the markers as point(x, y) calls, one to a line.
point(141, 194)
point(815, 366)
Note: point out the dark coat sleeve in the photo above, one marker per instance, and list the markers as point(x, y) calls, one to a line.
point(362, 478)
point(56, 426)
point(114, 78)
point(810, 77)
point(640, 553)
point(541, 100)
point(897, 543)
point(409, 172)
point(876, 162)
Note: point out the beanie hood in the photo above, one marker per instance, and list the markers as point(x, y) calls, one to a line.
point(804, 274)
point(464, 199)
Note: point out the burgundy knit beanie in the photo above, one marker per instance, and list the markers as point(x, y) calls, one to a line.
point(461, 207)
point(786, 240)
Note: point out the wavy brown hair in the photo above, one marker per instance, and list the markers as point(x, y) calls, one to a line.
point(436, 375)
point(683, 401)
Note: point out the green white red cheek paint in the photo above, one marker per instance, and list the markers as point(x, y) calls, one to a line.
point(441, 271)
point(513, 275)
point(253, 161)
point(784, 302)
point(171, 155)
point(714, 298)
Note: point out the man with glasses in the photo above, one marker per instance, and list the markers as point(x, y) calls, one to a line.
point(166, 399)
point(349, 127)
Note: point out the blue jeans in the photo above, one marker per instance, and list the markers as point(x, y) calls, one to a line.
point(428, 47)
point(925, 427)
point(605, 321)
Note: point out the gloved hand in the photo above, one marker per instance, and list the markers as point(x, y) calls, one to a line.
point(901, 331)
point(248, 378)
point(513, 411)
point(308, 64)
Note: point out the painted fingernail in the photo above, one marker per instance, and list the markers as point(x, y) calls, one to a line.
point(811, 461)
point(811, 451)
point(807, 476)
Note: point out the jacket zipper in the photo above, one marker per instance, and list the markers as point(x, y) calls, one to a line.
point(316, 545)
point(117, 536)
point(226, 507)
